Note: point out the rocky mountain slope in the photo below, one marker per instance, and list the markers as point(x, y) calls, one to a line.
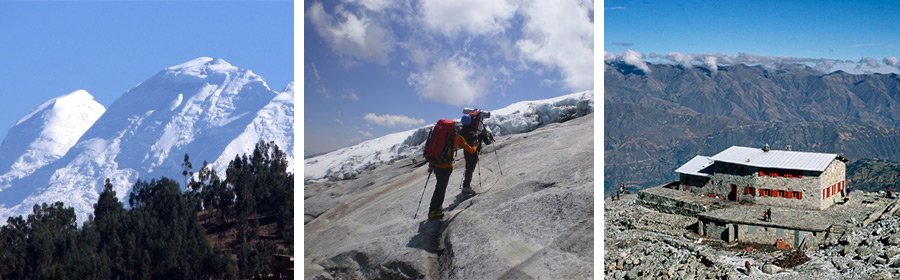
point(204, 107)
point(533, 221)
point(641, 243)
point(659, 120)
point(874, 175)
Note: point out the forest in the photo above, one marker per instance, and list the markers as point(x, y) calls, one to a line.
point(220, 228)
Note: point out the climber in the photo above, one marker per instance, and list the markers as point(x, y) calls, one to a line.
point(442, 173)
point(474, 133)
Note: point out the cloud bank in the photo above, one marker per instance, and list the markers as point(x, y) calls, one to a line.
point(712, 61)
point(391, 120)
point(351, 35)
point(455, 81)
point(462, 51)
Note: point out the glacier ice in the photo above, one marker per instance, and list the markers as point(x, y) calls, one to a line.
point(520, 117)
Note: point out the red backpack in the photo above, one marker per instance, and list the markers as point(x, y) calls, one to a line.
point(439, 146)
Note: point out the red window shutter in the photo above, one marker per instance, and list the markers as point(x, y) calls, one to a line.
point(799, 195)
point(790, 194)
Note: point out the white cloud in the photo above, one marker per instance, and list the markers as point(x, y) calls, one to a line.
point(710, 62)
point(560, 35)
point(392, 120)
point(891, 61)
point(454, 81)
point(339, 121)
point(682, 59)
point(375, 5)
point(352, 35)
point(350, 95)
point(608, 56)
point(363, 133)
point(635, 59)
point(473, 16)
point(315, 72)
point(868, 61)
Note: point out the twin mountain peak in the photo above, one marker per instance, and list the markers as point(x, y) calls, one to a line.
point(207, 108)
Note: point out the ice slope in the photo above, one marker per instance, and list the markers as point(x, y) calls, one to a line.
point(275, 122)
point(520, 117)
point(46, 134)
point(199, 107)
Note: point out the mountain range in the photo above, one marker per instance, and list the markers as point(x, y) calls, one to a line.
point(659, 119)
point(66, 148)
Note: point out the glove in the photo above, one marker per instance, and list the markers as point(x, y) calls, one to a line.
point(430, 170)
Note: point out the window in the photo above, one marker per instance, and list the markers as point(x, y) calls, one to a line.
point(789, 194)
point(799, 195)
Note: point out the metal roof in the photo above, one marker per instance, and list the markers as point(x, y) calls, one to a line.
point(695, 166)
point(775, 159)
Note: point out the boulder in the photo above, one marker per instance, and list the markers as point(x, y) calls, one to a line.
point(837, 264)
point(771, 268)
point(884, 275)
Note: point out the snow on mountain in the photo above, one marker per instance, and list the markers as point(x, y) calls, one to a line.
point(46, 134)
point(520, 117)
point(202, 107)
point(275, 122)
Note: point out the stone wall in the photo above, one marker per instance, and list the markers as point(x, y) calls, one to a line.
point(717, 230)
point(670, 205)
point(807, 186)
point(738, 177)
point(758, 234)
point(835, 173)
point(694, 184)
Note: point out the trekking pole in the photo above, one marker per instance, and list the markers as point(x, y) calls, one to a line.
point(479, 172)
point(423, 195)
point(498, 162)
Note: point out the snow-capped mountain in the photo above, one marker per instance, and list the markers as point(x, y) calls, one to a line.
point(206, 108)
point(519, 117)
point(46, 134)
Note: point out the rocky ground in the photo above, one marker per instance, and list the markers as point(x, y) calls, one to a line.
point(535, 221)
point(644, 244)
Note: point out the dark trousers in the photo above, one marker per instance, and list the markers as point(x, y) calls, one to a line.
point(443, 177)
point(471, 163)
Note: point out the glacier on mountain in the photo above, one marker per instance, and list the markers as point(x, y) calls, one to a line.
point(520, 117)
point(46, 134)
point(205, 107)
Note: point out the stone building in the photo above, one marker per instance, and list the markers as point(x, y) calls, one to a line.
point(782, 178)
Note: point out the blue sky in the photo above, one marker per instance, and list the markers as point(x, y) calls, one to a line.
point(854, 36)
point(374, 67)
point(53, 48)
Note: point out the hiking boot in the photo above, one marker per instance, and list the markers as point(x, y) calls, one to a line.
point(435, 215)
point(468, 190)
